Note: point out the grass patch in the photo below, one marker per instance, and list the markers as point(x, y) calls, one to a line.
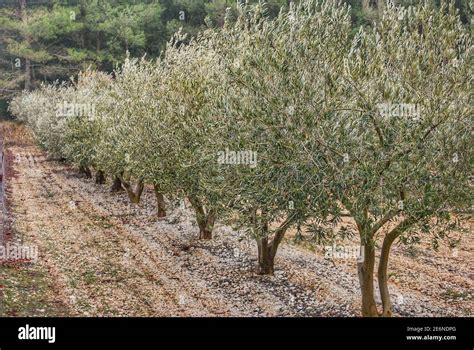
point(26, 291)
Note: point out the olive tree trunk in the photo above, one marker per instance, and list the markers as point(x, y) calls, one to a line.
point(383, 263)
point(117, 185)
point(100, 177)
point(160, 200)
point(134, 192)
point(365, 269)
point(267, 248)
point(265, 261)
point(86, 171)
point(383, 277)
point(205, 219)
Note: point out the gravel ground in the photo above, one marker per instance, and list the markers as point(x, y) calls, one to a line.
point(106, 257)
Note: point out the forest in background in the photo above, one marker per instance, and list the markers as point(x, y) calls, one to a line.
point(47, 40)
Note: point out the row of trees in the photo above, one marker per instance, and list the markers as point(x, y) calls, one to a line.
point(273, 123)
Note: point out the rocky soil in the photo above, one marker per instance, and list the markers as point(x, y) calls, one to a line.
point(101, 256)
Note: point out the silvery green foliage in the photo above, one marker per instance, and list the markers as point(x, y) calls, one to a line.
point(189, 125)
point(124, 106)
point(402, 172)
point(39, 110)
point(303, 95)
point(173, 121)
point(83, 131)
point(403, 167)
point(281, 81)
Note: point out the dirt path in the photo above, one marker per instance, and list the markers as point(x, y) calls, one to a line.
point(101, 256)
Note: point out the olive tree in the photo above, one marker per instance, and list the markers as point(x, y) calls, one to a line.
point(399, 153)
point(281, 79)
point(126, 148)
point(42, 111)
point(120, 107)
point(177, 137)
point(82, 131)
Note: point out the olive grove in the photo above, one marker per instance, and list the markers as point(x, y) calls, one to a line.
point(272, 123)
